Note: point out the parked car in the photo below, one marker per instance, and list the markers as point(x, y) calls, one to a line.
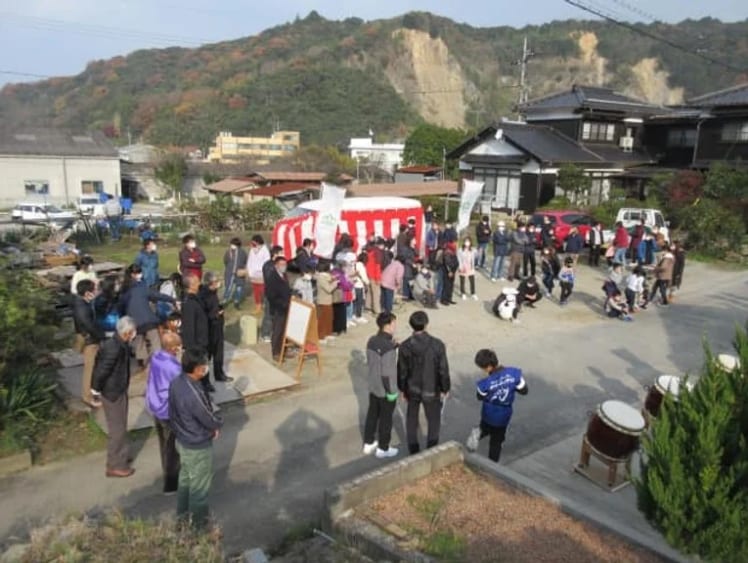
point(91, 205)
point(42, 213)
point(563, 221)
point(653, 219)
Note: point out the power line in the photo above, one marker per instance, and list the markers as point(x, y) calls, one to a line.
point(651, 35)
point(26, 74)
point(48, 24)
point(636, 10)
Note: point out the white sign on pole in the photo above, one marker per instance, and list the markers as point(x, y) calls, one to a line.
point(471, 190)
point(328, 219)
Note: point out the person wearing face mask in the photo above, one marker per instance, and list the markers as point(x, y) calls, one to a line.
point(88, 335)
point(84, 272)
point(136, 300)
point(258, 260)
point(501, 242)
point(195, 324)
point(196, 425)
point(278, 294)
point(483, 237)
point(360, 288)
point(147, 259)
point(235, 272)
point(111, 379)
point(303, 287)
point(191, 258)
point(528, 256)
point(208, 295)
point(165, 368)
point(467, 258)
point(518, 244)
point(423, 287)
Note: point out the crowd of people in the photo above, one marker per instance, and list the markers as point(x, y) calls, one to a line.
point(174, 326)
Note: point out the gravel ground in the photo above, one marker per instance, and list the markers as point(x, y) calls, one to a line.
point(497, 523)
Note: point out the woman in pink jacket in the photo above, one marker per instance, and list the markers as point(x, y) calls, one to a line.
point(466, 258)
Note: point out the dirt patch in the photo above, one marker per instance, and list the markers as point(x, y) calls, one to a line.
point(70, 434)
point(459, 515)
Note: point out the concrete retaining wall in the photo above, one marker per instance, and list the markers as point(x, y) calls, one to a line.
point(374, 542)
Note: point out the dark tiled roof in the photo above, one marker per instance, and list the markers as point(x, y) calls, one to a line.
point(55, 142)
point(539, 141)
point(735, 96)
point(591, 97)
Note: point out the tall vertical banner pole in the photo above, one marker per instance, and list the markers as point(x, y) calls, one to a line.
point(328, 218)
point(471, 191)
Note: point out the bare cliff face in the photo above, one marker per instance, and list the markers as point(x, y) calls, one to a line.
point(422, 70)
point(429, 78)
point(650, 82)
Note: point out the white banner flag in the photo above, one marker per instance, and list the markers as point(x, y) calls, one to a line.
point(327, 220)
point(471, 190)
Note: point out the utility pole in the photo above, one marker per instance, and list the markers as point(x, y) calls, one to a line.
point(524, 91)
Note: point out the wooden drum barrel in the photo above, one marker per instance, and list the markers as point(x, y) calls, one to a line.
point(663, 385)
point(614, 429)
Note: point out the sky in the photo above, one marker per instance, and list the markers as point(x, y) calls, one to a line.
point(40, 38)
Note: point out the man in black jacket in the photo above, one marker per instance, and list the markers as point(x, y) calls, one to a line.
point(208, 294)
point(483, 237)
point(195, 324)
point(266, 325)
point(278, 293)
point(423, 378)
point(88, 335)
point(195, 426)
point(111, 378)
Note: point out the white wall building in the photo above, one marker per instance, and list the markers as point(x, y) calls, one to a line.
point(386, 156)
point(56, 166)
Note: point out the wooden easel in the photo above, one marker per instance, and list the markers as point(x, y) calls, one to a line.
point(301, 330)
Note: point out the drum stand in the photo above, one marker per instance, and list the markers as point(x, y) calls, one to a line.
point(611, 462)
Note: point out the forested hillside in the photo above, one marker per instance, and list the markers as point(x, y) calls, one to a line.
point(336, 79)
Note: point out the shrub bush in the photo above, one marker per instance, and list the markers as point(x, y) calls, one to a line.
point(694, 479)
point(27, 326)
point(711, 227)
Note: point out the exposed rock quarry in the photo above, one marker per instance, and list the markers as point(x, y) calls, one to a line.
point(424, 73)
point(650, 82)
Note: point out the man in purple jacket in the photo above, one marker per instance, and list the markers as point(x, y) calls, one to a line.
point(165, 367)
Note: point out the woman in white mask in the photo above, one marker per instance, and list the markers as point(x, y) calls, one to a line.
point(466, 257)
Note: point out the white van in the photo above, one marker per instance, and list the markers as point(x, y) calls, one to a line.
point(653, 218)
point(91, 205)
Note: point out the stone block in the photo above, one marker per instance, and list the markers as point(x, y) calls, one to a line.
point(254, 555)
point(248, 330)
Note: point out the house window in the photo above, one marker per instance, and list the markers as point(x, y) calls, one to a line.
point(92, 187)
point(592, 131)
point(681, 138)
point(36, 187)
point(500, 187)
point(736, 132)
